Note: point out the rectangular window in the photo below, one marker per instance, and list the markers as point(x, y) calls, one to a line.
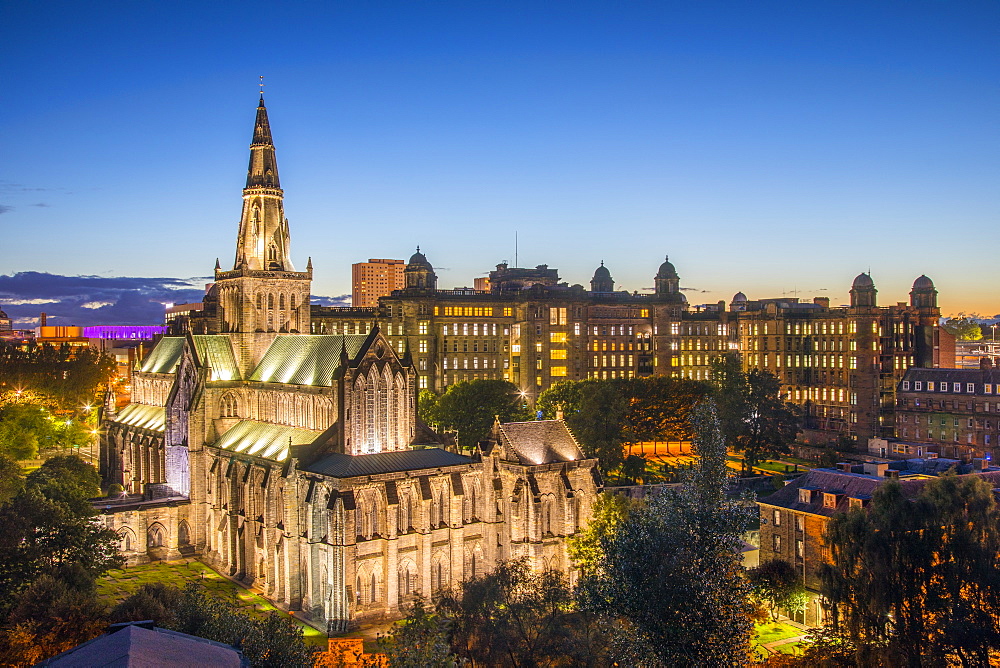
point(558, 371)
point(423, 382)
point(906, 385)
point(800, 523)
point(776, 543)
point(970, 388)
point(422, 346)
point(557, 337)
point(422, 327)
point(918, 386)
point(956, 387)
point(508, 311)
point(557, 354)
point(777, 518)
point(800, 549)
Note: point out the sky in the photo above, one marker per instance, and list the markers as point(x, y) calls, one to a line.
point(770, 148)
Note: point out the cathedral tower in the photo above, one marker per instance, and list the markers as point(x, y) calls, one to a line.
point(262, 294)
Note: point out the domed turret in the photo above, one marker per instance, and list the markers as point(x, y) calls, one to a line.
point(667, 281)
point(923, 294)
point(739, 302)
point(5, 322)
point(863, 291)
point(602, 281)
point(863, 281)
point(419, 273)
point(667, 269)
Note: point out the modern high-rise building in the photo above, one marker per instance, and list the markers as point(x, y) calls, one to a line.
point(373, 279)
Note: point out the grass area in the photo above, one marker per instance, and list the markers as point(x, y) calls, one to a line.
point(118, 584)
point(772, 632)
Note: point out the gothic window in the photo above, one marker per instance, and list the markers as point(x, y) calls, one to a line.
point(445, 505)
point(127, 540)
point(260, 301)
point(270, 301)
point(230, 406)
point(373, 589)
point(281, 301)
point(272, 253)
point(183, 534)
point(403, 512)
point(155, 536)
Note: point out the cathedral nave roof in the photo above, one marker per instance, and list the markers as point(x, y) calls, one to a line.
point(217, 352)
point(262, 439)
point(164, 356)
point(306, 359)
point(541, 442)
point(143, 416)
point(338, 465)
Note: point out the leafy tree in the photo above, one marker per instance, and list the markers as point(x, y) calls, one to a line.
point(156, 601)
point(609, 511)
point(754, 419)
point(660, 407)
point(964, 328)
point(670, 578)
point(272, 642)
point(634, 468)
point(515, 617)
point(427, 402)
point(420, 639)
point(11, 481)
point(49, 524)
point(69, 377)
point(564, 396)
point(916, 582)
point(27, 428)
point(777, 585)
point(599, 425)
point(472, 406)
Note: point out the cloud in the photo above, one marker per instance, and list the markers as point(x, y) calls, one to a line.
point(694, 290)
point(41, 204)
point(342, 300)
point(93, 300)
point(5, 208)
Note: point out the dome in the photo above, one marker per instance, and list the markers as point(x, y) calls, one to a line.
point(666, 269)
point(419, 258)
point(923, 283)
point(739, 297)
point(3, 316)
point(863, 281)
point(602, 272)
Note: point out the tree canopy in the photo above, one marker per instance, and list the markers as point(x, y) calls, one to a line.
point(66, 376)
point(670, 577)
point(964, 328)
point(754, 419)
point(470, 407)
point(916, 582)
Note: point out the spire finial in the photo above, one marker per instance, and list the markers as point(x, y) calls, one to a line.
point(418, 248)
point(602, 263)
point(261, 87)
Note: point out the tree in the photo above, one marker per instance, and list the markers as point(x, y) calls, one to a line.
point(472, 406)
point(564, 396)
point(599, 425)
point(155, 601)
point(660, 408)
point(11, 481)
point(516, 617)
point(27, 428)
point(777, 586)
point(420, 639)
point(670, 578)
point(427, 402)
point(68, 377)
point(49, 524)
point(609, 511)
point(915, 581)
point(754, 419)
point(964, 328)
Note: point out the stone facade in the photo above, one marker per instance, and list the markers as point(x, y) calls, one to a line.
point(296, 463)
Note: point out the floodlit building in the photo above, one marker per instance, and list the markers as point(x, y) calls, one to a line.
point(373, 279)
point(295, 461)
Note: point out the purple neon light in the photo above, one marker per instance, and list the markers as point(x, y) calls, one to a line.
point(123, 331)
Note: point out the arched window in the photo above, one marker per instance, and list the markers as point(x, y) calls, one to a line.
point(127, 540)
point(155, 536)
point(230, 406)
point(374, 588)
point(281, 301)
point(183, 533)
point(292, 300)
point(270, 301)
point(260, 301)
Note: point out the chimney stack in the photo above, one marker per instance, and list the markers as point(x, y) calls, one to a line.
point(43, 319)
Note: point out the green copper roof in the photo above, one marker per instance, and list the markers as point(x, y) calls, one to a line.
point(301, 359)
point(141, 415)
point(261, 439)
point(217, 352)
point(164, 356)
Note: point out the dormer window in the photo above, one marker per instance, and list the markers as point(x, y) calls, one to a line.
point(918, 385)
point(906, 385)
point(829, 500)
point(805, 495)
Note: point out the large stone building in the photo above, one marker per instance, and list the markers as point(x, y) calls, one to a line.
point(296, 463)
point(840, 364)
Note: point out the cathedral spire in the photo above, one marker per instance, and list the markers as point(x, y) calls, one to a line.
point(263, 242)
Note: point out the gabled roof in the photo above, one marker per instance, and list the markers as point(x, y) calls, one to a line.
point(164, 356)
point(540, 442)
point(141, 415)
point(306, 359)
point(261, 439)
point(339, 465)
point(848, 485)
point(217, 352)
point(135, 645)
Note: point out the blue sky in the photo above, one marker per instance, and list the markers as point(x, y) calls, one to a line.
point(766, 147)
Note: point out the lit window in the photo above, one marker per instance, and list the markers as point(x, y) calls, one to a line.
point(422, 327)
point(558, 371)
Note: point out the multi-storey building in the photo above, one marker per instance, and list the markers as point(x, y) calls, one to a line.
point(373, 279)
point(955, 411)
point(840, 364)
point(793, 520)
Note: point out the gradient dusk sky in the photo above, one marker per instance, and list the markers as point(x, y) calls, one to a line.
point(773, 148)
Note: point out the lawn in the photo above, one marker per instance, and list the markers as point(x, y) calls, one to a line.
point(771, 632)
point(118, 584)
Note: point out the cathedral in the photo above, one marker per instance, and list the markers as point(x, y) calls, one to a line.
point(296, 462)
